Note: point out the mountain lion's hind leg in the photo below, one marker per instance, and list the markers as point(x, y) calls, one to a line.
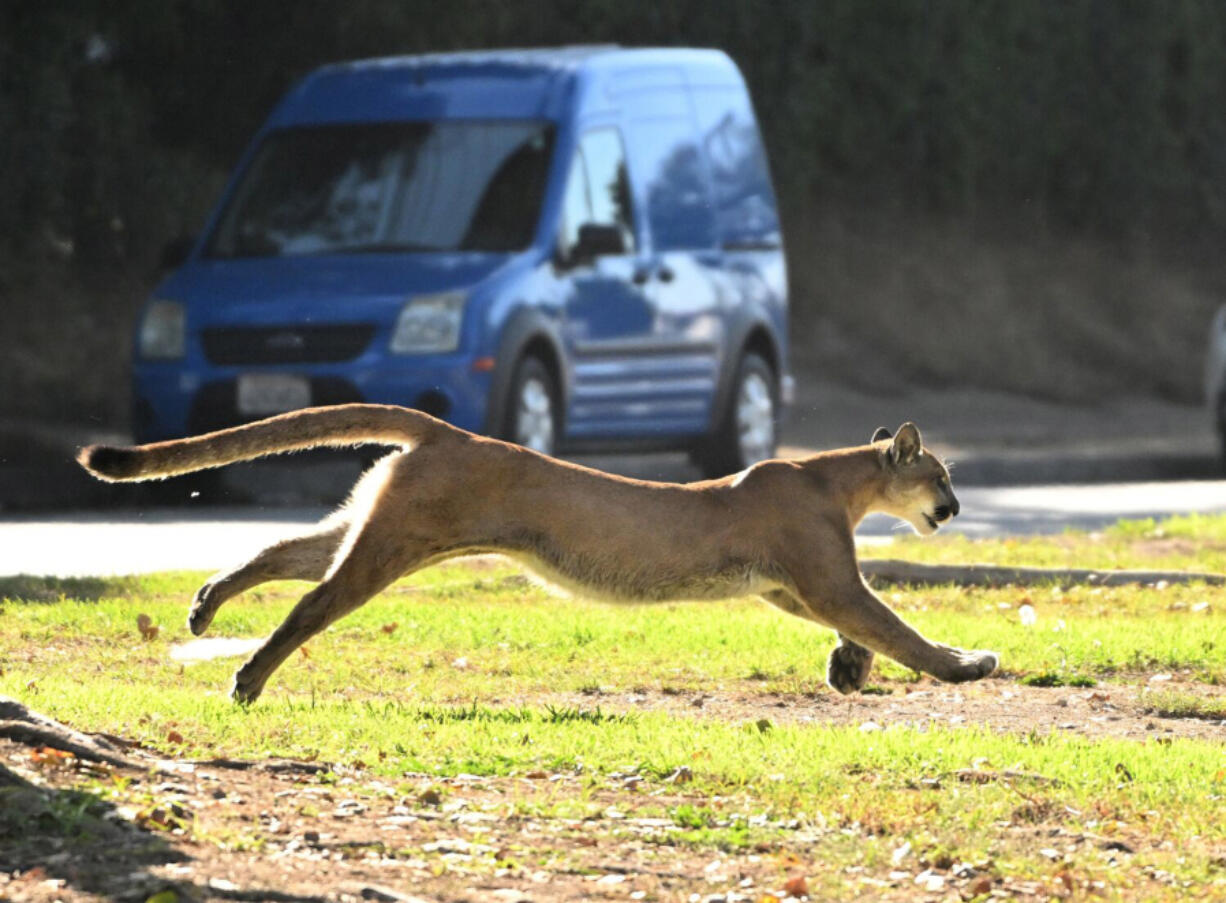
point(372, 560)
point(305, 557)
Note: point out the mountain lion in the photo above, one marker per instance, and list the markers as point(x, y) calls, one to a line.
point(782, 529)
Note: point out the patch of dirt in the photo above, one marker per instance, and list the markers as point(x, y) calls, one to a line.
point(1171, 546)
point(1002, 704)
point(177, 830)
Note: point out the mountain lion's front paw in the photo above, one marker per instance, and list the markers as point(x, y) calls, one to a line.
point(848, 667)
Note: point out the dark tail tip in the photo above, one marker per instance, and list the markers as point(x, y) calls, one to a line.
point(109, 462)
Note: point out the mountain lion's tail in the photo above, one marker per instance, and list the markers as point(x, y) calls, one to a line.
point(340, 425)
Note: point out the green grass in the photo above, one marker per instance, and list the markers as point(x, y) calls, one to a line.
point(460, 636)
point(1174, 704)
point(1195, 542)
point(472, 670)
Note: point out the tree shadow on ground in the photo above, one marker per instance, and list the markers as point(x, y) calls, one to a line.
point(78, 841)
point(77, 838)
point(29, 588)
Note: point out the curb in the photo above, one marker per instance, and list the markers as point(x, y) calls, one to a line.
point(38, 472)
point(1010, 468)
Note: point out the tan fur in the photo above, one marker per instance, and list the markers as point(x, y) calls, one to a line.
point(781, 529)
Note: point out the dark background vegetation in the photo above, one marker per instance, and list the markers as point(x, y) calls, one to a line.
point(1018, 196)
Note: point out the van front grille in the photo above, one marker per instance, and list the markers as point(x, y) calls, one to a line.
point(286, 344)
point(215, 406)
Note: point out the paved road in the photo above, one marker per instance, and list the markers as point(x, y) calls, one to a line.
point(125, 542)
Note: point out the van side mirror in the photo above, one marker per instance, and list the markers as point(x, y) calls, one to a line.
point(598, 240)
point(176, 251)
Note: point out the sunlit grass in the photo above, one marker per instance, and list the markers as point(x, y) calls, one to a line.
point(1186, 542)
point(470, 669)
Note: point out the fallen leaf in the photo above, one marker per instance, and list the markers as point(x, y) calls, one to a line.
point(49, 755)
point(148, 630)
point(155, 816)
point(173, 736)
point(980, 886)
point(796, 886)
point(389, 629)
point(303, 650)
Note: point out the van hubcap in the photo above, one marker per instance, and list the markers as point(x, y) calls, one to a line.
point(534, 422)
point(755, 419)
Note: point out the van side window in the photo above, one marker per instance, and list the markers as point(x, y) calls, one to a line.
point(597, 190)
point(677, 193)
point(745, 209)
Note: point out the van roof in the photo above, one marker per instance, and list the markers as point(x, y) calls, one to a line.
point(572, 57)
point(517, 83)
point(567, 58)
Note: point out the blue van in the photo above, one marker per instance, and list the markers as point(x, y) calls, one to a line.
point(567, 248)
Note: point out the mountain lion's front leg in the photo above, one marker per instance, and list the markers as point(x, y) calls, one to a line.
point(858, 615)
point(848, 667)
point(849, 664)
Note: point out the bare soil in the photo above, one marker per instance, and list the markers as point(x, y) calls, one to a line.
point(294, 831)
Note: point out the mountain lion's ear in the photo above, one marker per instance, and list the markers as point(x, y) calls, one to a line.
point(882, 433)
point(907, 444)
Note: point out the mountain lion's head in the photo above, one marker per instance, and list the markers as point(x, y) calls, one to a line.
point(918, 488)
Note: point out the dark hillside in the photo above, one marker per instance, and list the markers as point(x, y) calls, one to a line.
point(1017, 196)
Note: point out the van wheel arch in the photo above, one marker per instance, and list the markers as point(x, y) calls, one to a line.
point(526, 337)
point(756, 361)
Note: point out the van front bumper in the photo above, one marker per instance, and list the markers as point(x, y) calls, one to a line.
point(171, 400)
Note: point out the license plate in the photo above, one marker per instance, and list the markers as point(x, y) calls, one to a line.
point(272, 393)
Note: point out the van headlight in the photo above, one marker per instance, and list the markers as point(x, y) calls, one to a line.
point(429, 324)
point(163, 331)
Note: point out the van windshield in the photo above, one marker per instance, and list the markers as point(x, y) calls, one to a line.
point(389, 187)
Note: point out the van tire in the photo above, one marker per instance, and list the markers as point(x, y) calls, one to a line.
point(748, 428)
point(1221, 426)
point(533, 407)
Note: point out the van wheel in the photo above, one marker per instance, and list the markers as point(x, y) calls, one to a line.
point(532, 412)
point(1221, 425)
point(748, 429)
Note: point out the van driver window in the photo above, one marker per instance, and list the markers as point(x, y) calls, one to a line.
point(598, 189)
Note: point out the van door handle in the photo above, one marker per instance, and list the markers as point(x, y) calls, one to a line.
point(665, 274)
